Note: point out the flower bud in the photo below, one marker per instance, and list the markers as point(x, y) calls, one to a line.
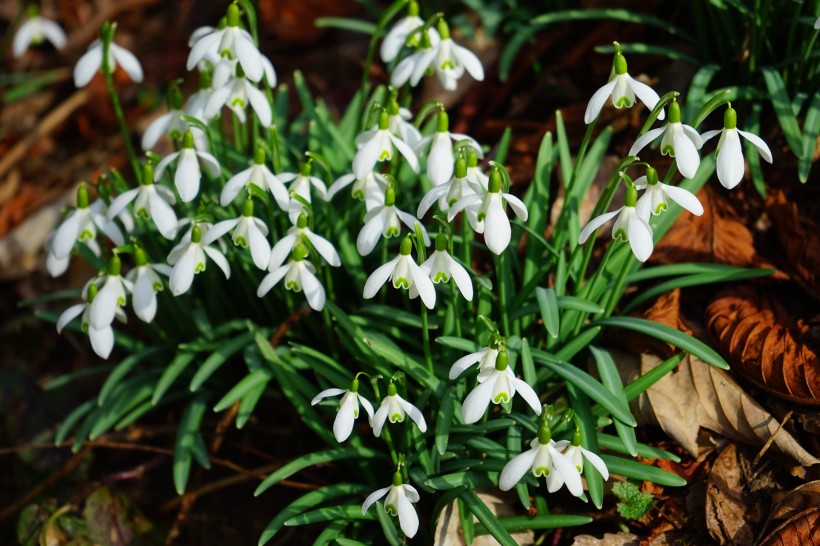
point(397, 481)
point(393, 108)
point(389, 196)
point(301, 221)
point(204, 80)
point(441, 242)
point(173, 97)
point(147, 174)
point(442, 122)
point(115, 266)
point(306, 169)
point(502, 361)
point(259, 155)
point(443, 29)
point(494, 185)
point(299, 253)
point(92, 292)
point(82, 197)
point(413, 9)
point(233, 15)
point(544, 435)
point(619, 64)
point(392, 390)
point(406, 246)
point(196, 234)
point(354, 385)
point(576, 438)
point(247, 207)
point(384, 120)
point(472, 158)
point(674, 112)
point(460, 170)
point(651, 176)
point(140, 259)
point(631, 196)
point(188, 140)
point(730, 118)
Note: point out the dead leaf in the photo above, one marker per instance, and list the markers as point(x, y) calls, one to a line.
point(717, 236)
point(799, 238)
point(609, 539)
point(798, 499)
point(764, 344)
point(448, 528)
point(801, 530)
point(728, 506)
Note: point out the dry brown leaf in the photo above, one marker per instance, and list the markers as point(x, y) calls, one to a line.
point(699, 395)
point(800, 239)
point(718, 236)
point(728, 507)
point(609, 539)
point(754, 333)
point(796, 500)
point(448, 528)
point(801, 530)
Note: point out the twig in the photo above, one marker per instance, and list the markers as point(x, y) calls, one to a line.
point(768, 443)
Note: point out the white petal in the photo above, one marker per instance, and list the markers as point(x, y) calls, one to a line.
point(249, 58)
point(470, 61)
point(730, 164)
point(373, 497)
point(411, 492)
point(66, 235)
point(102, 340)
point(408, 519)
point(325, 249)
point(406, 151)
point(260, 105)
point(424, 286)
point(640, 238)
point(693, 136)
point(461, 204)
point(234, 186)
point(461, 278)
point(340, 184)
point(477, 401)
point(53, 33)
point(144, 299)
point(87, 66)
point(326, 394)
point(217, 100)
point(281, 250)
point(370, 234)
point(219, 259)
point(218, 230)
point(497, 230)
point(414, 414)
point(183, 273)
point(365, 159)
point(684, 198)
point(128, 62)
point(646, 94)
point(709, 135)
point(367, 407)
point(210, 163)
point(68, 315)
point(567, 470)
point(111, 230)
point(595, 223)
point(345, 418)
point(260, 249)
point(645, 139)
point(104, 306)
point(271, 279)
point(523, 388)
point(379, 419)
point(403, 71)
point(758, 142)
point(440, 160)
point(120, 202)
point(378, 278)
point(57, 266)
point(163, 164)
point(465, 362)
point(596, 103)
point(597, 462)
point(313, 289)
point(23, 38)
point(518, 206)
point(203, 46)
point(187, 176)
point(422, 64)
point(431, 197)
point(515, 469)
point(163, 215)
point(157, 128)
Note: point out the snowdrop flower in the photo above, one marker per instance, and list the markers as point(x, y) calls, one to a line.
point(300, 184)
point(36, 30)
point(544, 458)
point(450, 192)
point(188, 259)
point(102, 339)
point(415, 65)
point(377, 145)
point(441, 267)
point(817, 23)
point(299, 274)
point(499, 387)
point(92, 59)
point(403, 272)
point(474, 173)
point(111, 295)
point(188, 173)
point(452, 59)
point(81, 225)
point(398, 503)
point(369, 189)
point(236, 93)
point(398, 124)
point(286, 244)
point(441, 160)
point(629, 226)
point(248, 232)
point(258, 174)
point(233, 41)
point(170, 123)
point(730, 164)
point(576, 453)
point(655, 199)
point(56, 266)
point(485, 358)
point(679, 141)
point(385, 221)
point(622, 88)
point(195, 107)
point(491, 217)
point(150, 201)
point(146, 283)
point(395, 408)
point(399, 34)
point(348, 410)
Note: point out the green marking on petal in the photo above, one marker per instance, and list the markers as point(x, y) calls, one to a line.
point(396, 418)
point(668, 150)
point(501, 398)
point(620, 235)
point(441, 276)
point(401, 282)
point(391, 509)
point(84, 327)
point(660, 208)
point(355, 414)
point(121, 301)
point(240, 241)
point(385, 155)
point(143, 213)
point(541, 471)
point(157, 286)
point(448, 64)
point(238, 102)
point(391, 231)
point(200, 267)
point(358, 194)
point(623, 102)
point(86, 235)
point(293, 285)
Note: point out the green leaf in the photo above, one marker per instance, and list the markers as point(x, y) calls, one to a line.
point(783, 109)
point(122, 369)
point(669, 335)
point(516, 524)
point(312, 459)
point(811, 129)
point(68, 378)
point(527, 364)
point(486, 518)
point(634, 504)
point(697, 90)
point(72, 419)
point(548, 304)
point(458, 343)
point(589, 440)
point(218, 358)
point(651, 49)
point(249, 383)
point(172, 371)
point(444, 421)
point(641, 471)
point(612, 381)
point(344, 23)
point(613, 443)
point(578, 304)
point(184, 445)
point(330, 513)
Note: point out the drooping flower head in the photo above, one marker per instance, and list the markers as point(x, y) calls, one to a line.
point(679, 141)
point(299, 275)
point(544, 458)
point(231, 41)
point(36, 30)
point(258, 174)
point(500, 386)
point(188, 173)
point(377, 145)
point(348, 409)
point(111, 295)
point(102, 339)
point(394, 408)
point(248, 232)
point(150, 201)
point(400, 497)
point(730, 163)
point(441, 267)
point(385, 221)
point(146, 282)
point(404, 273)
point(81, 226)
point(441, 159)
point(170, 123)
point(655, 198)
point(92, 60)
point(302, 234)
point(400, 34)
point(189, 258)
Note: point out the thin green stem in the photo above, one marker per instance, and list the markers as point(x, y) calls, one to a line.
point(120, 115)
point(502, 292)
point(425, 338)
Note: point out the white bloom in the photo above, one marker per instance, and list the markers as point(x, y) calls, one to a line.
point(299, 275)
point(81, 225)
point(452, 59)
point(102, 339)
point(395, 408)
point(283, 248)
point(411, 67)
point(236, 93)
point(544, 458)
point(399, 125)
point(188, 173)
point(189, 259)
point(146, 282)
point(630, 226)
point(169, 123)
point(258, 174)
point(485, 358)
point(91, 62)
point(576, 453)
point(300, 184)
point(474, 173)
point(441, 267)
point(55, 265)
point(369, 189)
point(622, 88)
point(655, 198)
point(233, 40)
point(36, 30)
point(441, 160)
point(450, 192)
point(403, 272)
point(111, 295)
point(398, 503)
point(679, 141)
point(348, 410)
point(385, 221)
point(248, 232)
point(377, 145)
point(150, 201)
point(730, 163)
point(400, 32)
point(195, 107)
point(491, 216)
point(499, 387)
point(817, 23)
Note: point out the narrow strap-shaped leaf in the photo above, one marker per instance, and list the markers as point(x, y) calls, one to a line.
point(486, 518)
point(811, 128)
point(578, 304)
point(527, 363)
point(641, 471)
point(184, 445)
point(72, 419)
point(122, 369)
point(330, 513)
point(513, 449)
point(783, 109)
point(589, 439)
point(218, 358)
point(612, 381)
point(576, 344)
point(548, 305)
point(697, 90)
point(444, 421)
point(665, 333)
point(515, 524)
point(643, 382)
point(172, 371)
point(246, 385)
point(345, 23)
point(614, 443)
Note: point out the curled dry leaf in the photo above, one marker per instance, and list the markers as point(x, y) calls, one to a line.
point(800, 239)
point(802, 529)
point(448, 528)
point(609, 539)
point(762, 342)
point(730, 512)
point(718, 236)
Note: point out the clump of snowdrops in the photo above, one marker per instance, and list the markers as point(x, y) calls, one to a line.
point(433, 341)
